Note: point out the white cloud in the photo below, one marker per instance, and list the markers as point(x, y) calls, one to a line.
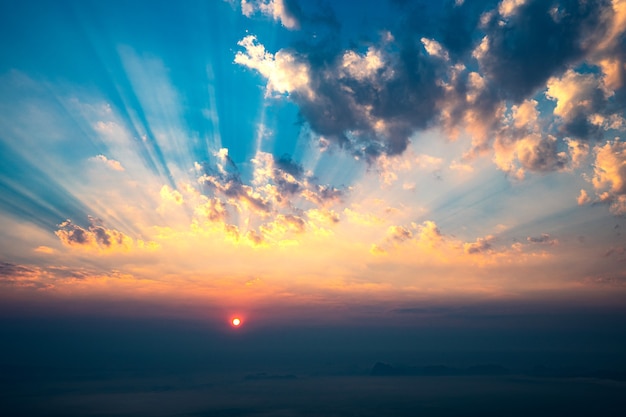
point(362, 67)
point(285, 73)
point(109, 163)
point(507, 8)
point(609, 178)
point(272, 8)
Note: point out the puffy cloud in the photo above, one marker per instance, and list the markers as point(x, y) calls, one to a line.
point(230, 186)
point(434, 48)
point(426, 235)
point(282, 225)
point(609, 179)
point(583, 198)
point(506, 8)
point(481, 245)
point(98, 238)
point(528, 42)
point(363, 67)
point(284, 11)
point(281, 199)
point(399, 234)
point(578, 98)
point(369, 103)
point(543, 239)
point(610, 52)
point(212, 209)
point(170, 195)
point(109, 163)
point(286, 73)
point(578, 152)
point(370, 99)
point(521, 144)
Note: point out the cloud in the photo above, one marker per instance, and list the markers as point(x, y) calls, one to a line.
point(212, 209)
point(109, 163)
point(368, 102)
point(22, 276)
point(543, 239)
point(285, 11)
point(609, 179)
point(44, 249)
point(583, 198)
point(98, 238)
point(280, 200)
point(579, 97)
point(527, 42)
point(426, 235)
point(481, 245)
point(521, 143)
point(371, 98)
point(285, 71)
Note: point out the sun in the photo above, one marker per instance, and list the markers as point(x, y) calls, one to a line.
point(236, 322)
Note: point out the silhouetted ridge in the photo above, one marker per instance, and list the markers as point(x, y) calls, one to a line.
point(264, 376)
point(384, 369)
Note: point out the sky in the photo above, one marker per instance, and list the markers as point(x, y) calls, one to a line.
point(302, 161)
point(407, 182)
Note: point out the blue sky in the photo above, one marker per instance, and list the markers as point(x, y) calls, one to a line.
point(235, 153)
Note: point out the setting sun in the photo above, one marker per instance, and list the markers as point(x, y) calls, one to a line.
point(236, 322)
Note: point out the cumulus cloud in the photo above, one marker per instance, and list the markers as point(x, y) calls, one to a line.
point(285, 71)
point(426, 235)
point(609, 179)
point(372, 97)
point(481, 245)
point(98, 238)
point(284, 11)
point(369, 102)
point(583, 198)
point(521, 144)
point(543, 239)
point(279, 198)
point(579, 100)
point(527, 42)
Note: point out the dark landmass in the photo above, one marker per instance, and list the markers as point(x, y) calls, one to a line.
point(384, 369)
point(265, 376)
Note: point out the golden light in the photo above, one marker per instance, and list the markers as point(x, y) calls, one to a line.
point(236, 322)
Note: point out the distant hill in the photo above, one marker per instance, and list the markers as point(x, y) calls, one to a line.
point(265, 376)
point(384, 369)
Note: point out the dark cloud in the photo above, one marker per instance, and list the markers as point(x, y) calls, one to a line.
point(94, 236)
point(538, 41)
point(12, 270)
point(457, 29)
point(371, 97)
point(544, 239)
point(481, 245)
point(290, 183)
point(400, 93)
point(228, 182)
point(292, 10)
point(75, 234)
point(286, 164)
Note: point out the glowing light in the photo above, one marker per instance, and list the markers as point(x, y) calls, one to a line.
point(236, 322)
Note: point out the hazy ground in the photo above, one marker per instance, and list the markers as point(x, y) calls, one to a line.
point(97, 367)
point(230, 395)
